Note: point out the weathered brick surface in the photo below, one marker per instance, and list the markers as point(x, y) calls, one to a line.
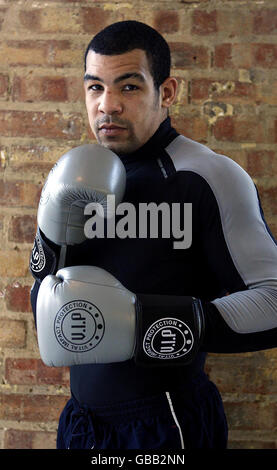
point(17, 439)
point(224, 55)
point(166, 21)
point(26, 371)
point(236, 129)
point(32, 89)
point(18, 298)
point(188, 56)
point(12, 333)
point(41, 53)
point(22, 228)
point(204, 22)
point(227, 91)
point(32, 408)
point(40, 124)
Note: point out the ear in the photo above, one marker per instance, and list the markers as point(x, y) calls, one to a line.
point(168, 91)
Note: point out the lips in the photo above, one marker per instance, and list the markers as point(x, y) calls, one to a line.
point(111, 129)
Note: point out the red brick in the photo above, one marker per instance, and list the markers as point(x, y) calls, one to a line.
point(233, 55)
point(26, 170)
point(265, 55)
point(22, 228)
point(14, 263)
point(166, 22)
point(52, 375)
point(47, 19)
point(18, 298)
point(69, 1)
point(251, 416)
point(242, 55)
point(44, 440)
point(42, 155)
point(251, 444)
point(227, 91)
point(45, 88)
point(223, 56)
point(65, 1)
point(265, 22)
point(271, 124)
point(267, 92)
point(234, 22)
point(261, 163)
point(18, 439)
point(30, 19)
point(200, 89)
point(40, 124)
point(204, 22)
point(242, 92)
point(94, 19)
point(12, 333)
point(37, 408)
point(26, 371)
point(19, 193)
point(53, 53)
point(189, 56)
point(10, 192)
point(254, 374)
point(42, 408)
point(40, 89)
point(21, 371)
point(239, 130)
point(192, 127)
point(4, 85)
point(75, 89)
point(268, 198)
point(273, 138)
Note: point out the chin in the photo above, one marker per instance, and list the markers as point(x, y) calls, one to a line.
point(119, 147)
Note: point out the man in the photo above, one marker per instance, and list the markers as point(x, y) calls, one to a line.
point(222, 286)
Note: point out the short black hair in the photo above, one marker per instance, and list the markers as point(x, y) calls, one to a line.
point(124, 36)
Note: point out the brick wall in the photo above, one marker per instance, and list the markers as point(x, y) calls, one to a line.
point(225, 59)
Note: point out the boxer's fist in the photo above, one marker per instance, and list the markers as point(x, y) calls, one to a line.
point(83, 175)
point(86, 316)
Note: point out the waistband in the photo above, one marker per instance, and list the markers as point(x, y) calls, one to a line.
point(105, 384)
point(142, 407)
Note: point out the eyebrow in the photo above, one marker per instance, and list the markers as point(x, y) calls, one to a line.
point(123, 77)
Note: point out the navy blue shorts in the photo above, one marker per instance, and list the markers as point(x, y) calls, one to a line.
point(191, 419)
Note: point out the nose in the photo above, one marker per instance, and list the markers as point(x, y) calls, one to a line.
point(110, 103)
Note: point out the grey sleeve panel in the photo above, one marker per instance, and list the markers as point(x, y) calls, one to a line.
point(252, 249)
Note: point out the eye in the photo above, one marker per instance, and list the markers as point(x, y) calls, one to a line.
point(130, 87)
point(95, 87)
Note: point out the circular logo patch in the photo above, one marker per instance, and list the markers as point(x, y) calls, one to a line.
point(38, 260)
point(168, 338)
point(79, 326)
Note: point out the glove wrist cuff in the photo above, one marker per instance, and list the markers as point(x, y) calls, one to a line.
point(44, 258)
point(169, 330)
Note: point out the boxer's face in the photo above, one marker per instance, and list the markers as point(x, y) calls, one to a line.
point(124, 108)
